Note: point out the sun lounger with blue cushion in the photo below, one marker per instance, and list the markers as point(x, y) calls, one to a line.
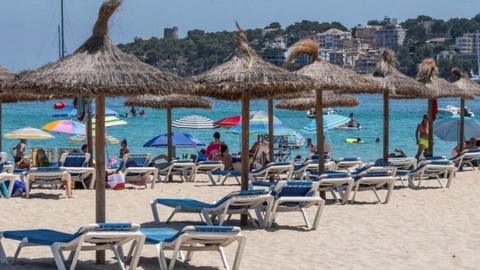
point(237, 202)
point(223, 176)
point(348, 163)
point(310, 166)
point(107, 236)
point(77, 166)
point(192, 239)
point(182, 168)
point(204, 167)
point(296, 196)
point(276, 170)
point(466, 158)
point(374, 178)
point(335, 181)
point(136, 166)
point(432, 169)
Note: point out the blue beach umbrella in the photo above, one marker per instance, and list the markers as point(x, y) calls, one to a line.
point(180, 140)
point(330, 121)
point(447, 129)
point(70, 111)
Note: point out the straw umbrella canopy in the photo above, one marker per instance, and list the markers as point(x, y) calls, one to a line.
point(428, 75)
point(328, 77)
point(307, 102)
point(246, 76)
point(396, 85)
point(98, 69)
point(169, 102)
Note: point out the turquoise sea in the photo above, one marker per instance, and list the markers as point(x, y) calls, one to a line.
point(404, 117)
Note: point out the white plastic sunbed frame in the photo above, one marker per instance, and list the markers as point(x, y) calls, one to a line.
point(348, 165)
point(181, 168)
point(53, 177)
point(311, 165)
point(89, 238)
point(80, 174)
point(151, 171)
point(374, 182)
point(426, 170)
point(342, 185)
point(8, 177)
point(273, 169)
point(283, 204)
point(466, 158)
point(205, 167)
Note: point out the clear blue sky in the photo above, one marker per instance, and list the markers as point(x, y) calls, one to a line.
point(28, 28)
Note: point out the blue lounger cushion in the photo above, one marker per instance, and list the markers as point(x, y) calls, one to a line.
point(373, 173)
point(40, 236)
point(226, 172)
point(193, 204)
point(74, 161)
point(157, 235)
point(349, 159)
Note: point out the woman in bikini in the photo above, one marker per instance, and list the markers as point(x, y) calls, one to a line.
point(421, 135)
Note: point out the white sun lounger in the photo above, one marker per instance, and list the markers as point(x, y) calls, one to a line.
point(137, 165)
point(192, 239)
point(277, 170)
point(335, 181)
point(183, 168)
point(77, 166)
point(432, 169)
point(310, 166)
point(205, 167)
point(237, 202)
point(46, 176)
point(348, 164)
point(373, 178)
point(466, 158)
point(223, 176)
point(296, 196)
point(92, 237)
point(10, 177)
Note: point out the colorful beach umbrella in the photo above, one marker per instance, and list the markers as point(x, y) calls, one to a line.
point(111, 121)
point(259, 125)
point(447, 129)
point(229, 121)
point(65, 126)
point(179, 140)
point(29, 133)
point(70, 111)
point(194, 122)
point(330, 121)
point(83, 139)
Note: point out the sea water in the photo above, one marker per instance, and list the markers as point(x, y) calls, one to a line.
point(404, 118)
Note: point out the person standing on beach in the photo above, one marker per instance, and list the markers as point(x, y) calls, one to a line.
point(123, 149)
point(214, 147)
point(421, 135)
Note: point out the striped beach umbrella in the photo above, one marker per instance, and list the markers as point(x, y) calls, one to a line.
point(65, 126)
point(29, 133)
point(194, 122)
point(111, 121)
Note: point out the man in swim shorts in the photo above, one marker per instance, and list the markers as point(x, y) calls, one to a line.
point(421, 135)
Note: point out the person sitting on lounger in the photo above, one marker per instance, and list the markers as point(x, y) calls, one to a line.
point(123, 148)
point(225, 157)
point(19, 152)
point(41, 160)
point(213, 148)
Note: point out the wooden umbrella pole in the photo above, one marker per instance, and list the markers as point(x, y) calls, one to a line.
point(462, 124)
point(100, 169)
point(320, 135)
point(245, 147)
point(90, 140)
point(386, 125)
point(1, 120)
point(270, 130)
point(430, 126)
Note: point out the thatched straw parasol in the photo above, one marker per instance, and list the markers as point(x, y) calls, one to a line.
point(463, 82)
point(99, 69)
point(397, 85)
point(328, 77)
point(428, 75)
point(307, 102)
point(247, 76)
point(169, 102)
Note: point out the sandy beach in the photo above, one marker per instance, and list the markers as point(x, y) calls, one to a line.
point(431, 228)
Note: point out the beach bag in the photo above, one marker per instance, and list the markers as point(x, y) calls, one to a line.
point(18, 188)
point(116, 181)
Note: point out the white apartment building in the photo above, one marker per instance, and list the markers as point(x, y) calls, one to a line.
point(330, 38)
